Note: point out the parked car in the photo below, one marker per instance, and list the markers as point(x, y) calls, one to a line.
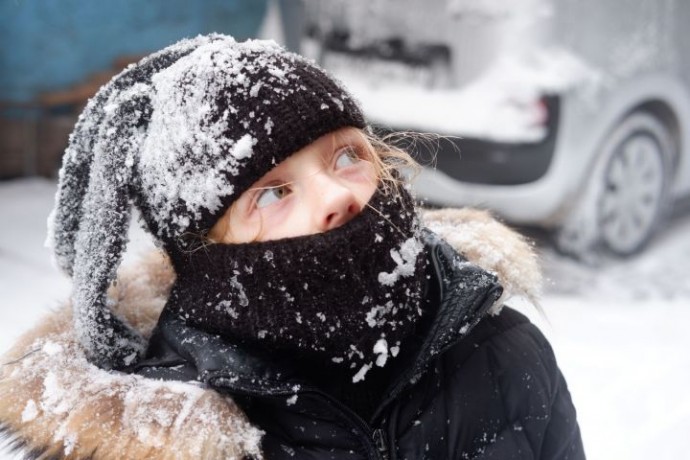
point(568, 114)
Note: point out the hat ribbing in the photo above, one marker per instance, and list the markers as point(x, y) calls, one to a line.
point(181, 135)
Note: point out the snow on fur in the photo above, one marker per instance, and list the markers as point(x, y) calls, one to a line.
point(494, 247)
point(68, 408)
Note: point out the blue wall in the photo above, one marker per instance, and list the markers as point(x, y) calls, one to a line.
point(51, 44)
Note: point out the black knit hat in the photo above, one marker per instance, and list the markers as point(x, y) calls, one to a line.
point(180, 136)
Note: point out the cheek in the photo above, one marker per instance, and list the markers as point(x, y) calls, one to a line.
point(364, 191)
point(284, 220)
point(290, 221)
point(243, 229)
point(363, 183)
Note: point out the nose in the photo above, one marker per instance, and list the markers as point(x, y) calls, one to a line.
point(336, 204)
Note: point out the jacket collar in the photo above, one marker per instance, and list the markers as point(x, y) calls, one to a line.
point(460, 293)
point(222, 363)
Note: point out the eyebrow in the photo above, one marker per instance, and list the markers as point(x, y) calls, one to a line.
point(348, 137)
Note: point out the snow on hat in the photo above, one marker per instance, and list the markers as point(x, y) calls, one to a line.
point(180, 136)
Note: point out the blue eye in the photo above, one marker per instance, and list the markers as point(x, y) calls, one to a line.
point(346, 156)
point(272, 195)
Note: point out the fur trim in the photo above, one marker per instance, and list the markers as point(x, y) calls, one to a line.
point(494, 247)
point(54, 403)
point(57, 405)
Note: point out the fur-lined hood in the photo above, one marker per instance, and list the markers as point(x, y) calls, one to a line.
point(55, 404)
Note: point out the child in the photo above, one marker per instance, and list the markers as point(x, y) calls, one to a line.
point(306, 311)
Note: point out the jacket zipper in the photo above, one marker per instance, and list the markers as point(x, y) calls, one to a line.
point(377, 437)
point(381, 443)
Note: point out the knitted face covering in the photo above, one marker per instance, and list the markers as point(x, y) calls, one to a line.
point(350, 295)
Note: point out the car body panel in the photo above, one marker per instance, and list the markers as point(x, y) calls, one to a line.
point(633, 56)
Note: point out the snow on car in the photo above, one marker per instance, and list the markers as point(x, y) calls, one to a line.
point(567, 114)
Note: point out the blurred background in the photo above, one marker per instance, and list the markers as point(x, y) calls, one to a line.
point(568, 119)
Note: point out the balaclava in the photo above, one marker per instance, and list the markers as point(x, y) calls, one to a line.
point(180, 136)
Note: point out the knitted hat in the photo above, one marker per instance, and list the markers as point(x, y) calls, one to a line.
point(180, 136)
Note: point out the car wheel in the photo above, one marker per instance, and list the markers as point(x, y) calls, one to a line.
point(627, 194)
point(635, 183)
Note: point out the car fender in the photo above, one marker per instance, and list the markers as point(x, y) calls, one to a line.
point(586, 122)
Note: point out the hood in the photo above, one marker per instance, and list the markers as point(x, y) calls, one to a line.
point(493, 246)
point(56, 404)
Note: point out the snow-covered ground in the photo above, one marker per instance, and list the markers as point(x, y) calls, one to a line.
point(620, 332)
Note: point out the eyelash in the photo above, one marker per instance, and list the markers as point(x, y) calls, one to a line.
point(352, 151)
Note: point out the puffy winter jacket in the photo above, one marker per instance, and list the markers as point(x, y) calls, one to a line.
point(481, 384)
point(478, 386)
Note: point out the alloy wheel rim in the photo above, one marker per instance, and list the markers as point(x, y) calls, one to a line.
point(633, 188)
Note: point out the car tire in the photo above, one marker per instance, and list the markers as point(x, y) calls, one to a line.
point(627, 196)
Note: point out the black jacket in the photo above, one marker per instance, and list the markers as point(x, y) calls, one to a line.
point(476, 386)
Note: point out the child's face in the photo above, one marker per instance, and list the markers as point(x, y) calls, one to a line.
point(316, 189)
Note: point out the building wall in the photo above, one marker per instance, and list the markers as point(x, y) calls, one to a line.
point(55, 54)
point(49, 44)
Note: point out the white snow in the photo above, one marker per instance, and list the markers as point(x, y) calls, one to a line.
point(338, 103)
point(30, 412)
point(268, 126)
point(361, 373)
point(53, 397)
point(405, 259)
point(395, 350)
point(243, 147)
point(376, 316)
point(381, 349)
point(620, 332)
point(502, 104)
point(227, 307)
point(69, 442)
point(51, 348)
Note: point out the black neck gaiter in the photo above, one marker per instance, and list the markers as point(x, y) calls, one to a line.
point(350, 295)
